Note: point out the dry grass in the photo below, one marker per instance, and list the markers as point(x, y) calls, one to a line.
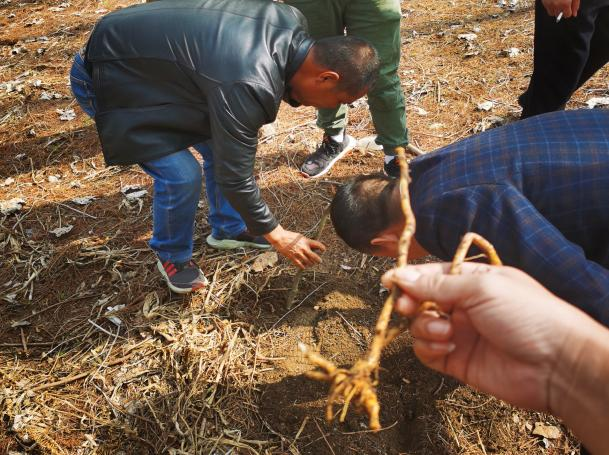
point(193, 375)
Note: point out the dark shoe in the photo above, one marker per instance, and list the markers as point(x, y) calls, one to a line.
point(329, 152)
point(392, 168)
point(183, 277)
point(243, 240)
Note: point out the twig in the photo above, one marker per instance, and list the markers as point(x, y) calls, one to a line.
point(294, 289)
point(23, 341)
point(76, 377)
point(324, 436)
point(76, 210)
point(295, 307)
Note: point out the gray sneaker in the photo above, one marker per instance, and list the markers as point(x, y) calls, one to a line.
point(183, 277)
point(329, 152)
point(243, 240)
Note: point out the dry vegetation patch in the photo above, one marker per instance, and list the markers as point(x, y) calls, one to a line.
point(97, 357)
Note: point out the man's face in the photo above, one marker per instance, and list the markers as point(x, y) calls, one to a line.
point(321, 93)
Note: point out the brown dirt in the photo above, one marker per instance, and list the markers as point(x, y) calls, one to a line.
point(219, 372)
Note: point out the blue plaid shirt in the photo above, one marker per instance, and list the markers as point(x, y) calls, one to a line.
point(538, 189)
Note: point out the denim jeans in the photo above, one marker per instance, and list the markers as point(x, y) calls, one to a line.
point(177, 187)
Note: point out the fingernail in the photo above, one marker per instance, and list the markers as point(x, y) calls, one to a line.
point(438, 327)
point(444, 347)
point(409, 274)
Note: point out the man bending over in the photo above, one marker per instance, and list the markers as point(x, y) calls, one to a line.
point(161, 77)
point(536, 189)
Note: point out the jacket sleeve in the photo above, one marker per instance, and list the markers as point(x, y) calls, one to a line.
point(523, 238)
point(237, 111)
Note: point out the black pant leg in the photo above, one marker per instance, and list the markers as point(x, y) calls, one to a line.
point(561, 53)
point(599, 45)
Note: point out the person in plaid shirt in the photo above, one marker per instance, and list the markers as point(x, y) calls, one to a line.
point(538, 189)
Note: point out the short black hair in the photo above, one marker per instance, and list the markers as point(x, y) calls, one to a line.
point(362, 209)
point(354, 59)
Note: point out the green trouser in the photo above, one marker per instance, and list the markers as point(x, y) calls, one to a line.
point(378, 21)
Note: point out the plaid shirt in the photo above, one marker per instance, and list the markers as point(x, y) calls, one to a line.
point(538, 190)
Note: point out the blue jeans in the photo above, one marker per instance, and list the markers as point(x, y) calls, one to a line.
point(177, 187)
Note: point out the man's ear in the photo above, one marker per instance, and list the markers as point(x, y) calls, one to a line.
point(385, 239)
point(328, 77)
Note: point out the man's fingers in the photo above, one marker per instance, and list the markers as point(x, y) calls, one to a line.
point(315, 245)
point(312, 257)
point(297, 262)
point(433, 354)
point(575, 7)
point(431, 328)
point(405, 305)
point(429, 282)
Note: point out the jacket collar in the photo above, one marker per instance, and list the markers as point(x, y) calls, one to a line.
point(296, 60)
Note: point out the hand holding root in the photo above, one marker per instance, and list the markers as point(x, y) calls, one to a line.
point(360, 381)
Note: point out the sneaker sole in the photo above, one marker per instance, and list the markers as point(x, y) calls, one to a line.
point(350, 146)
point(228, 244)
point(176, 289)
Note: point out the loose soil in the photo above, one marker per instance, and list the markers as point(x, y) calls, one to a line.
point(219, 372)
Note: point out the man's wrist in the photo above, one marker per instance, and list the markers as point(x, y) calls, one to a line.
point(577, 388)
point(274, 236)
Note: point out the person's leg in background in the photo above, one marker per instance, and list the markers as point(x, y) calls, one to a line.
point(378, 21)
point(599, 45)
point(326, 18)
point(561, 52)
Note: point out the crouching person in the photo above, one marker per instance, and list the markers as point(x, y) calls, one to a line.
point(161, 77)
point(536, 189)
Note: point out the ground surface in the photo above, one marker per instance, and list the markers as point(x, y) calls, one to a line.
point(219, 372)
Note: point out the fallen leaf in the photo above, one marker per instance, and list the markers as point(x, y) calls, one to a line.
point(467, 36)
point(419, 110)
point(267, 131)
point(368, 144)
point(50, 96)
point(66, 114)
point(598, 101)
point(133, 192)
point(11, 206)
point(21, 323)
point(151, 302)
point(62, 230)
point(512, 52)
point(265, 260)
point(136, 195)
point(485, 106)
point(114, 319)
point(546, 431)
point(84, 200)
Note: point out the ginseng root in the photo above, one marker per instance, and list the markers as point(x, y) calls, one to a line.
point(358, 384)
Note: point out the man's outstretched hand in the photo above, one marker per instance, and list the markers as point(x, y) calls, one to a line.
point(296, 247)
point(503, 334)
